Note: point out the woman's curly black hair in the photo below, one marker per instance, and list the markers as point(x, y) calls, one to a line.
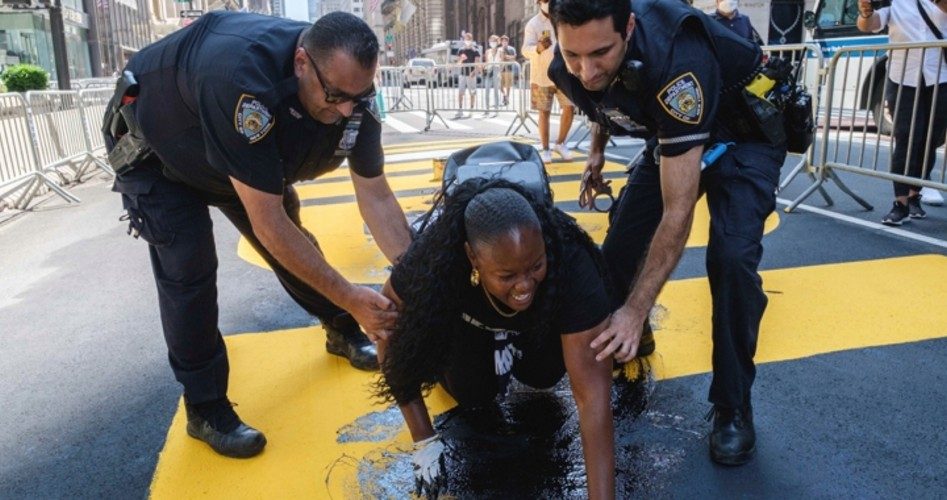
point(435, 271)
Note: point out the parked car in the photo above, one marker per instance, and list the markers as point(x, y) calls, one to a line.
point(418, 71)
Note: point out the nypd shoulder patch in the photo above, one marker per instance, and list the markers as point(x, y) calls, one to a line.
point(252, 118)
point(683, 99)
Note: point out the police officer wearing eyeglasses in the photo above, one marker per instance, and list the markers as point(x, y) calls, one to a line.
point(670, 74)
point(236, 108)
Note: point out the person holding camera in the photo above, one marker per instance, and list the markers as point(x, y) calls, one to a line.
point(669, 74)
point(914, 75)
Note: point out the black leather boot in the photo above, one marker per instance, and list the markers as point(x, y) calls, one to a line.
point(646, 345)
point(733, 439)
point(345, 338)
point(216, 424)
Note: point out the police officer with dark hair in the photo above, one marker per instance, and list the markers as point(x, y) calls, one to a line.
point(236, 108)
point(668, 73)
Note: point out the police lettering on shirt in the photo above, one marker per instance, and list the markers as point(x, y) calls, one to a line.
point(683, 99)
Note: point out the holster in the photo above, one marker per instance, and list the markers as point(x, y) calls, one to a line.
point(124, 143)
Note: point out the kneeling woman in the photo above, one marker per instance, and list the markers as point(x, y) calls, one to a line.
point(499, 285)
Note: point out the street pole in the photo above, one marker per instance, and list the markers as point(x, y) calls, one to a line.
point(59, 45)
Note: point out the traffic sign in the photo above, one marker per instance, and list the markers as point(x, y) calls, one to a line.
point(191, 14)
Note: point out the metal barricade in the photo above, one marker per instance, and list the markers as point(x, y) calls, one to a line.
point(62, 141)
point(476, 88)
point(850, 142)
point(90, 83)
point(93, 103)
point(21, 174)
point(403, 90)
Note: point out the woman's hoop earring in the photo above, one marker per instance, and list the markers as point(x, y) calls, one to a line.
point(474, 277)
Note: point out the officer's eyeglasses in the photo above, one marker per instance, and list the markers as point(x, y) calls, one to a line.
point(337, 97)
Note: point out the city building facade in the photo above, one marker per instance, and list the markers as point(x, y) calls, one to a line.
point(25, 38)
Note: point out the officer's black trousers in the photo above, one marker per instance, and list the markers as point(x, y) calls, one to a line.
point(175, 221)
point(740, 191)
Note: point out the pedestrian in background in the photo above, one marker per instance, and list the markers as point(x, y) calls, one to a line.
point(538, 43)
point(468, 57)
point(491, 71)
point(727, 14)
point(508, 54)
point(918, 75)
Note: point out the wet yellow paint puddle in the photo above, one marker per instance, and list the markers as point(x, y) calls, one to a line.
point(286, 384)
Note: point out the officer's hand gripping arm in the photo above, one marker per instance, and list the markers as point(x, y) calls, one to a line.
point(273, 227)
point(680, 178)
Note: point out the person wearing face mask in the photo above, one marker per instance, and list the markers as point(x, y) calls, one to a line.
point(916, 79)
point(469, 60)
point(667, 73)
point(501, 285)
point(235, 109)
point(491, 69)
point(728, 15)
point(538, 41)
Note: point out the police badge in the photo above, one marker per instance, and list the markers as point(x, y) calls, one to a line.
point(252, 119)
point(683, 99)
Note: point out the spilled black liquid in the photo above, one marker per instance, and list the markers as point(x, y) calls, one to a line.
point(524, 446)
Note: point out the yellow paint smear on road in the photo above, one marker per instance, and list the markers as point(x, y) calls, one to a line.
point(288, 386)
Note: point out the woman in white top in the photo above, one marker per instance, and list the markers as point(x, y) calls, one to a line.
point(492, 74)
point(916, 75)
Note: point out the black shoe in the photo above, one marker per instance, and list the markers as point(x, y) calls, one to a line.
point(345, 338)
point(914, 207)
point(733, 440)
point(646, 344)
point(897, 215)
point(216, 424)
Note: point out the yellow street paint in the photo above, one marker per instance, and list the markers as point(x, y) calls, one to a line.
point(288, 386)
point(345, 242)
point(814, 310)
point(350, 249)
point(300, 396)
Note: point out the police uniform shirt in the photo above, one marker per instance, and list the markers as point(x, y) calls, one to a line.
point(219, 99)
point(678, 89)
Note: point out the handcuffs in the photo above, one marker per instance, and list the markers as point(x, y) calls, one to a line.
point(603, 189)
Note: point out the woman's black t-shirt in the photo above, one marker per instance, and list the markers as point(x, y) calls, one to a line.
point(583, 304)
